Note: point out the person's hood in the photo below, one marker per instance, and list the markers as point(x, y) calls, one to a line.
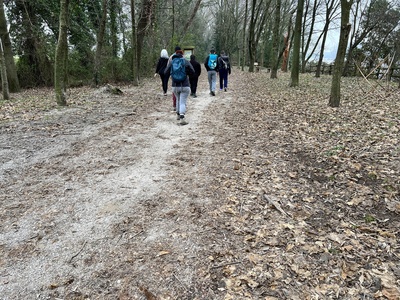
point(164, 53)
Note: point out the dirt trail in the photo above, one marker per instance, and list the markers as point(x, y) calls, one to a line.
point(75, 187)
point(266, 194)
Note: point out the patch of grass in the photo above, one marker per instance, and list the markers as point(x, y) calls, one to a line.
point(334, 251)
point(335, 150)
point(369, 219)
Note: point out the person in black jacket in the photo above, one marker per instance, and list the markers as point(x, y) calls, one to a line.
point(194, 78)
point(161, 65)
point(224, 67)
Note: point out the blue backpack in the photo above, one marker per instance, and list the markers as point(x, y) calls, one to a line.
point(178, 69)
point(212, 61)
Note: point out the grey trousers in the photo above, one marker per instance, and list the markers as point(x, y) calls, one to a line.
point(212, 79)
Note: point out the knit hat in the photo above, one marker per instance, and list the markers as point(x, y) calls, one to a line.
point(177, 48)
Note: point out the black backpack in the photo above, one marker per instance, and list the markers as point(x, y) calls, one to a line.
point(225, 64)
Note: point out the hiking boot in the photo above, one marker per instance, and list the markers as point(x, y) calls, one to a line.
point(212, 93)
point(183, 120)
point(225, 89)
point(194, 96)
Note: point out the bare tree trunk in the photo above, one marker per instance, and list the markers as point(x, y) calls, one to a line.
point(345, 27)
point(244, 35)
point(13, 82)
point(4, 81)
point(144, 23)
point(287, 44)
point(275, 41)
point(60, 68)
point(285, 54)
point(252, 42)
point(135, 66)
point(331, 8)
point(295, 69)
point(259, 13)
point(191, 18)
point(99, 43)
point(306, 41)
point(114, 7)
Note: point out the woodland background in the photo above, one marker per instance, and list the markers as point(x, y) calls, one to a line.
point(64, 43)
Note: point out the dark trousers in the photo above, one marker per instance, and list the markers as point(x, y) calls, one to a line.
point(223, 78)
point(193, 84)
point(164, 80)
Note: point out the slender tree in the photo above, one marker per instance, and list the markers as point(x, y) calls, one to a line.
point(99, 43)
point(331, 7)
point(345, 27)
point(295, 69)
point(244, 34)
point(4, 86)
point(258, 17)
point(114, 8)
point(13, 82)
point(135, 66)
point(34, 63)
point(286, 46)
point(307, 38)
point(145, 23)
point(61, 57)
point(367, 18)
point(275, 40)
point(191, 18)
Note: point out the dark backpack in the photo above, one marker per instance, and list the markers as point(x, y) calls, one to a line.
point(178, 69)
point(212, 61)
point(224, 64)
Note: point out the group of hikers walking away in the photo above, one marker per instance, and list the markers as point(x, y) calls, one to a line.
point(185, 75)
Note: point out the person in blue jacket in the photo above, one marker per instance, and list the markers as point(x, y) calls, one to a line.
point(211, 64)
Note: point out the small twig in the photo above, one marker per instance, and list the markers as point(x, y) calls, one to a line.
point(276, 205)
point(84, 244)
point(227, 264)
point(120, 237)
point(176, 277)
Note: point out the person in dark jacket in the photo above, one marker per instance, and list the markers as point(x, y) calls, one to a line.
point(160, 70)
point(224, 68)
point(181, 90)
point(194, 78)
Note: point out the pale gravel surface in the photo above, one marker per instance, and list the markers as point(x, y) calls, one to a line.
point(66, 191)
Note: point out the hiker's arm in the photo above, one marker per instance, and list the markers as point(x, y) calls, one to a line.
point(167, 68)
point(206, 63)
point(190, 69)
